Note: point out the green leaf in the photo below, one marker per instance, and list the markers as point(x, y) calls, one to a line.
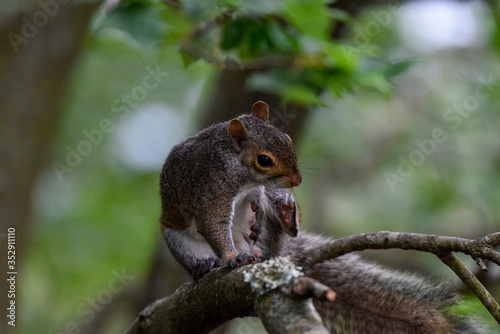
point(338, 86)
point(208, 9)
point(398, 68)
point(304, 95)
point(248, 36)
point(310, 17)
point(338, 15)
point(187, 58)
point(232, 34)
point(140, 20)
point(255, 39)
point(281, 40)
point(178, 25)
point(288, 86)
point(342, 55)
point(375, 80)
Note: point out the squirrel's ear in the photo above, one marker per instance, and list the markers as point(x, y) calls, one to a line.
point(260, 110)
point(238, 133)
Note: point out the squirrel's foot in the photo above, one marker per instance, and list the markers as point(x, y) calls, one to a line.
point(256, 231)
point(287, 216)
point(204, 266)
point(242, 259)
point(245, 258)
point(259, 222)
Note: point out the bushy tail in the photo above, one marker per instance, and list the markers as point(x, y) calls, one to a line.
point(375, 300)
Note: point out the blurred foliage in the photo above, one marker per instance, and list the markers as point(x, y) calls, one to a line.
point(372, 96)
point(293, 36)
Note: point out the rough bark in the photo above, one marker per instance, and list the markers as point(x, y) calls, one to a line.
point(264, 289)
point(224, 296)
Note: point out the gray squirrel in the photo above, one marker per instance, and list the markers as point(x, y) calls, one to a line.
point(227, 200)
point(222, 170)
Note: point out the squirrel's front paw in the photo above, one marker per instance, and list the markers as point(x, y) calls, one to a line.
point(287, 213)
point(204, 266)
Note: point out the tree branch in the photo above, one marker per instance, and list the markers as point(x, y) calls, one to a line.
point(281, 314)
point(199, 306)
point(306, 286)
point(265, 289)
point(481, 248)
point(281, 295)
point(452, 261)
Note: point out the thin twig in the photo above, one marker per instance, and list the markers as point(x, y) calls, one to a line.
point(307, 287)
point(481, 248)
point(452, 261)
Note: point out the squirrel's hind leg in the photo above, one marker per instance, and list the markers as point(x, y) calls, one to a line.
point(258, 206)
point(191, 250)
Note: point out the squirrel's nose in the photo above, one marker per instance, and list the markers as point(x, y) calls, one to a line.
point(296, 179)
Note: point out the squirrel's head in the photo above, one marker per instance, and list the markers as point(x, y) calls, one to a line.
point(266, 151)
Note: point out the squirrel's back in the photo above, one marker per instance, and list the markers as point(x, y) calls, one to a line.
point(196, 167)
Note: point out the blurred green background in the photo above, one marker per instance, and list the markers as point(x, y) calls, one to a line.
point(393, 108)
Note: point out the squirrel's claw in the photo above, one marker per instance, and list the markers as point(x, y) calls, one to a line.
point(245, 258)
point(242, 259)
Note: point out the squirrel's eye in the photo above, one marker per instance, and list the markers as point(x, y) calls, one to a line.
point(265, 161)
